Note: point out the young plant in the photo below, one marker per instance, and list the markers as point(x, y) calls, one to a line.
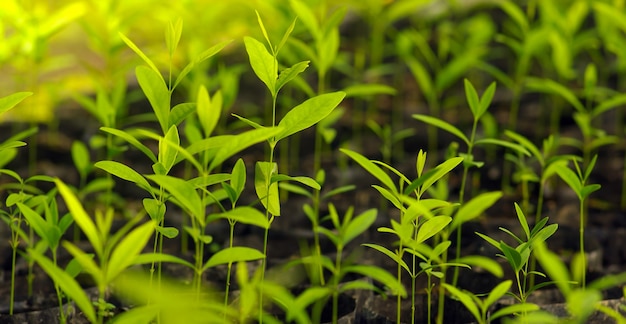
point(49, 228)
point(114, 253)
point(581, 302)
point(479, 308)
point(519, 256)
point(478, 106)
point(577, 181)
point(346, 230)
point(312, 111)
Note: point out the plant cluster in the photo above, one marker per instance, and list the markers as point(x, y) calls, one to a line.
point(198, 137)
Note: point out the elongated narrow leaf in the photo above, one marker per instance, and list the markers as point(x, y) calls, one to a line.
point(146, 258)
point(465, 299)
point(372, 168)
point(358, 225)
point(124, 172)
point(554, 267)
point(48, 232)
point(306, 16)
point(475, 207)
point(393, 256)
point(309, 182)
point(208, 110)
point(198, 59)
point(156, 91)
point(552, 87)
point(233, 255)
point(80, 216)
point(472, 99)
point(172, 35)
point(68, 284)
point(497, 292)
point(494, 141)
point(440, 171)
point(309, 113)
point(86, 261)
point(127, 250)
point(380, 275)
point(572, 180)
point(369, 89)
point(141, 54)
point(431, 227)
point(184, 193)
point(180, 113)
point(518, 309)
point(263, 63)
point(443, 125)
point(245, 215)
point(12, 100)
point(486, 263)
point(265, 189)
point(132, 141)
point(290, 73)
point(241, 141)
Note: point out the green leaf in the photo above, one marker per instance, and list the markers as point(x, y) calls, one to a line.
point(80, 216)
point(359, 224)
point(131, 140)
point(497, 292)
point(372, 168)
point(238, 177)
point(432, 227)
point(156, 91)
point(290, 73)
point(142, 55)
point(86, 261)
point(308, 113)
point(232, 255)
point(263, 63)
point(393, 256)
point(180, 113)
point(127, 249)
point(483, 262)
point(369, 89)
point(208, 110)
point(168, 148)
point(309, 182)
point(80, 156)
point(169, 232)
point(147, 258)
point(172, 35)
point(513, 256)
point(307, 17)
point(69, 286)
point(265, 189)
point(515, 147)
point(517, 309)
point(552, 87)
point(475, 207)
point(443, 125)
point(241, 141)
point(184, 193)
point(48, 232)
point(380, 275)
point(198, 59)
point(243, 214)
point(572, 180)
point(10, 101)
point(124, 172)
point(466, 299)
point(472, 99)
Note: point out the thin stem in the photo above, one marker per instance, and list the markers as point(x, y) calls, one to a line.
point(336, 284)
point(230, 265)
point(582, 244)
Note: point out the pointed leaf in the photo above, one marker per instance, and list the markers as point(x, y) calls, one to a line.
point(393, 256)
point(241, 141)
point(142, 55)
point(10, 101)
point(465, 299)
point(263, 63)
point(245, 215)
point(497, 292)
point(372, 168)
point(180, 113)
point(432, 227)
point(69, 286)
point(443, 125)
point(80, 216)
point(127, 249)
point(124, 172)
point(265, 190)
point(233, 255)
point(183, 192)
point(208, 110)
point(290, 73)
point(475, 207)
point(359, 225)
point(156, 91)
point(309, 113)
point(131, 140)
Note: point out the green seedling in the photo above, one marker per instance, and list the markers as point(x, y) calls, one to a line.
point(309, 113)
point(581, 302)
point(479, 308)
point(577, 181)
point(312, 211)
point(478, 106)
point(346, 230)
point(388, 138)
point(114, 253)
point(25, 190)
point(519, 256)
